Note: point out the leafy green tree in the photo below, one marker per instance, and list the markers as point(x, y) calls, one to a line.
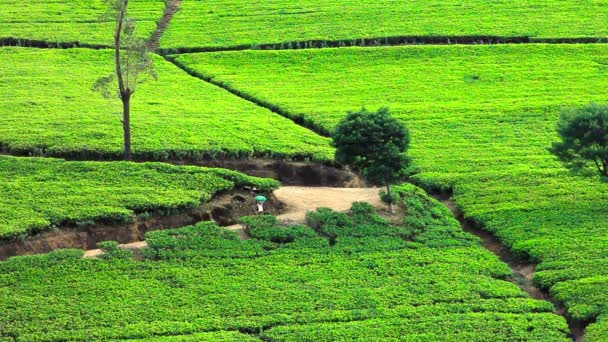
point(584, 138)
point(133, 62)
point(375, 144)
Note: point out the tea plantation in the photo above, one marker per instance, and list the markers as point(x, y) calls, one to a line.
point(480, 85)
point(425, 280)
point(39, 193)
point(223, 24)
point(75, 21)
point(482, 119)
point(49, 108)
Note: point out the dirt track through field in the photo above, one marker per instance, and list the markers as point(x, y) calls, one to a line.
point(172, 8)
point(298, 200)
point(523, 271)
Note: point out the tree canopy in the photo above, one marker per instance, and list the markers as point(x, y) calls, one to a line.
point(375, 144)
point(584, 138)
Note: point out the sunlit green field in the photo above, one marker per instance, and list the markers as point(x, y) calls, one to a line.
point(49, 107)
point(37, 194)
point(61, 21)
point(425, 280)
point(481, 120)
point(224, 23)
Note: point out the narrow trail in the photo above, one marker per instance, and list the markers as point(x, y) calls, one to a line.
point(172, 8)
point(298, 200)
point(523, 270)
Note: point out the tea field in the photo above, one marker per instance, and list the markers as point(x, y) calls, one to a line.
point(49, 108)
point(482, 118)
point(223, 24)
point(424, 280)
point(37, 194)
point(82, 21)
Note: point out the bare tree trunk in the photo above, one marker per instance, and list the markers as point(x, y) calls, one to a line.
point(126, 124)
point(125, 92)
point(390, 199)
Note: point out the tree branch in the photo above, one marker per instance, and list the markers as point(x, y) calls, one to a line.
point(117, 46)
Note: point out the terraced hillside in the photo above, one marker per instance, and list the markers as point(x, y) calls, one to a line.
point(76, 21)
point(49, 108)
point(38, 194)
point(425, 280)
point(481, 117)
point(481, 120)
point(227, 24)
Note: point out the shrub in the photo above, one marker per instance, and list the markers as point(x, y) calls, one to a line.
point(111, 250)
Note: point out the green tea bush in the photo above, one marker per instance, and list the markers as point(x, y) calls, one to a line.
point(39, 194)
point(70, 22)
point(267, 228)
point(197, 122)
point(204, 240)
point(111, 250)
point(314, 23)
point(321, 217)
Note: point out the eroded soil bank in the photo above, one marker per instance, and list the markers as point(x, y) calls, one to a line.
point(288, 172)
point(295, 201)
point(523, 270)
point(225, 209)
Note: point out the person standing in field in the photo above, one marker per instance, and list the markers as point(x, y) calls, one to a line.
point(260, 204)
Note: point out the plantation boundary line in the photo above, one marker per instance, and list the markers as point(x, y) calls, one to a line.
point(297, 119)
point(312, 44)
point(42, 44)
point(390, 41)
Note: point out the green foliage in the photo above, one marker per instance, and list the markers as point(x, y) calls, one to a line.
point(597, 331)
point(135, 60)
point(453, 327)
point(225, 23)
point(362, 222)
point(584, 134)
point(373, 143)
point(266, 227)
point(363, 213)
point(388, 197)
point(203, 283)
point(216, 336)
point(204, 240)
point(326, 217)
point(484, 137)
point(38, 194)
point(111, 250)
point(49, 109)
point(430, 222)
point(72, 21)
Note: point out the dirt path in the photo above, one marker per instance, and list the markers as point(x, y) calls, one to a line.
point(172, 8)
point(523, 271)
point(298, 200)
